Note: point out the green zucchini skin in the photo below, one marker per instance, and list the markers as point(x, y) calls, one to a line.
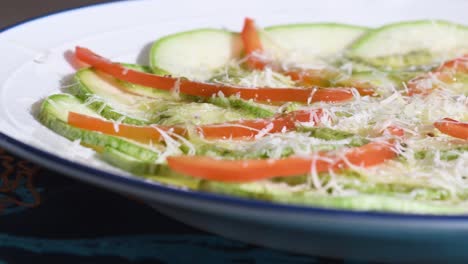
point(89, 88)
point(319, 27)
point(181, 54)
point(160, 173)
point(247, 108)
point(184, 53)
point(361, 202)
point(410, 44)
point(110, 98)
point(309, 43)
point(54, 112)
point(129, 163)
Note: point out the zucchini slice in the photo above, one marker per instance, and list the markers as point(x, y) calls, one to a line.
point(54, 115)
point(194, 54)
point(413, 43)
point(199, 53)
point(309, 43)
point(110, 99)
point(363, 202)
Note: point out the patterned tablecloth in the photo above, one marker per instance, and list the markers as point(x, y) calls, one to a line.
point(49, 218)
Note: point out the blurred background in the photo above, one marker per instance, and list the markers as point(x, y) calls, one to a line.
point(14, 11)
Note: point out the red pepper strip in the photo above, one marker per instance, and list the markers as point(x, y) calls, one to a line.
point(363, 91)
point(322, 78)
point(143, 134)
point(252, 45)
point(414, 86)
point(251, 128)
point(206, 90)
point(444, 73)
point(253, 48)
point(236, 129)
point(453, 128)
point(394, 131)
point(252, 170)
point(312, 77)
point(459, 64)
point(419, 84)
point(74, 61)
point(369, 155)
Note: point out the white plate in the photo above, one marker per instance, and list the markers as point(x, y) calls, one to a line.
point(33, 65)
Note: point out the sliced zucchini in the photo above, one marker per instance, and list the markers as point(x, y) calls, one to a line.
point(199, 53)
point(194, 54)
point(129, 163)
point(138, 67)
point(150, 93)
point(135, 104)
point(382, 82)
point(412, 43)
point(197, 114)
point(367, 202)
point(326, 133)
point(448, 154)
point(54, 115)
point(247, 108)
point(110, 99)
point(176, 181)
point(156, 172)
point(309, 43)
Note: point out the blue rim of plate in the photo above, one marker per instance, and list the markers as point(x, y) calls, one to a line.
point(37, 154)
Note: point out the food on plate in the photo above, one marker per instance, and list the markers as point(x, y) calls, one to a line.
point(318, 114)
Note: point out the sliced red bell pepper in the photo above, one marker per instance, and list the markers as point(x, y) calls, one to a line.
point(253, 48)
point(459, 64)
point(251, 128)
point(206, 89)
point(252, 45)
point(394, 131)
point(252, 170)
point(236, 129)
point(143, 134)
point(244, 170)
point(322, 77)
point(444, 73)
point(369, 155)
point(312, 77)
point(453, 128)
point(415, 86)
point(424, 84)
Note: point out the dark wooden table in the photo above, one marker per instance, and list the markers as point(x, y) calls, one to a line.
point(14, 11)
